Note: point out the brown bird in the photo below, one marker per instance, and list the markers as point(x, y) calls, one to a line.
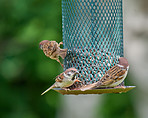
point(65, 79)
point(113, 77)
point(52, 50)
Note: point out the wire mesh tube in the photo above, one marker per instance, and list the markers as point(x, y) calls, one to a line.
point(93, 34)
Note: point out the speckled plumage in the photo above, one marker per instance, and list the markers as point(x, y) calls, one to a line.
point(52, 50)
point(113, 77)
point(65, 79)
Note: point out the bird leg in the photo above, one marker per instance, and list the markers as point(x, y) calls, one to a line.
point(78, 81)
point(61, 43)
point(60, 63)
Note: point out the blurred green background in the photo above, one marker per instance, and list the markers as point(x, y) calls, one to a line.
point(25, 72)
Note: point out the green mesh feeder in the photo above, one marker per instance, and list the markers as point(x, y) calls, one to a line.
point(93, 35)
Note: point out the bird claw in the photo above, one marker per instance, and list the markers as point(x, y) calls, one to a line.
point(78, 81)
point(66, 89)
point(61, 43)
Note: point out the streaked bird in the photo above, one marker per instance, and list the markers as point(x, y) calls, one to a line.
point(113, 77)
point(52, 50)
point(65, 79)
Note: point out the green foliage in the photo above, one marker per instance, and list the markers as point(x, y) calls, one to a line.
point(25, 72)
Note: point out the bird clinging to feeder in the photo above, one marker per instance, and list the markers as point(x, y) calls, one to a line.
point(52, 50)
point(93, 34)
point(65, 79)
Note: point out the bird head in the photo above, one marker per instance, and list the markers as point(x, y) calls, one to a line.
point(71, 73)
point(42, 43)
point(123, 62)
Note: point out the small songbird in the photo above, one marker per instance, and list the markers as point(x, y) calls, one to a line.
point(113, 77)
point(65, 79)
point(52, 50)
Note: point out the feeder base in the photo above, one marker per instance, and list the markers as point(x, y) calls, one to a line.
point(95, 91)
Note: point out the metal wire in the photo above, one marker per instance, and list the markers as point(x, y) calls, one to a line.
point(93, 34)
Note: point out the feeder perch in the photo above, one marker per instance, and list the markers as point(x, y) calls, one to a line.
point(93, 35)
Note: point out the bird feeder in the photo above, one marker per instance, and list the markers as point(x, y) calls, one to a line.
point(93, 35)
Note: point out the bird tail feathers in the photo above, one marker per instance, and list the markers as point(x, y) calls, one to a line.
point(88, 87)
point(63, 53)
point(48, 89)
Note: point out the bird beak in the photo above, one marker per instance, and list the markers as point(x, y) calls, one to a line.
point(41, 46)
point(77, 72)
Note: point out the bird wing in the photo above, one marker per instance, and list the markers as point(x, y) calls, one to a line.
point(111, 76)
point(116, 73)
point(54, 49)
point(60, 77)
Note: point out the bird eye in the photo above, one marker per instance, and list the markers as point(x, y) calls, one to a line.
point(73, 71)
point(68, 74)
point(41, 46)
